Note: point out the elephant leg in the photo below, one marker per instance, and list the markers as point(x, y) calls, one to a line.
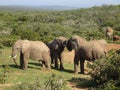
point(25, 60)
point(76, 61)
point(43, 64)
point(46, 64)
point(52, 60)
point(61, 58)
point(56, 63)
point(82, 66)
point(21, 60)
point(25, 64)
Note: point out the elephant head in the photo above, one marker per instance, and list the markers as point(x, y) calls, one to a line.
point(73, 42)
point(19, 46)
point(59, 43)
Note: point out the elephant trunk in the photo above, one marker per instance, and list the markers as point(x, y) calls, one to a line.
point(69, 46)
point(13, 57)
point(15, 62)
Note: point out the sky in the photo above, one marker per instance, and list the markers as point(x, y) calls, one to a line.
point(71, 3)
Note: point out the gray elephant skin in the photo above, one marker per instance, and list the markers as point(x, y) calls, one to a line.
point(35, 50)
point(85, 50)
point(56, 47)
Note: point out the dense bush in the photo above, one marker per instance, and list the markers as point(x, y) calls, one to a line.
point(106, 72)
point(45, 25)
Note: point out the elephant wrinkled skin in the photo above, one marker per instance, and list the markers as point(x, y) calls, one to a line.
point(85, 50)
point(35, 50)
point(56, 51)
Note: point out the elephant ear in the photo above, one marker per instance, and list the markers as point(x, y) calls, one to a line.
point(25, 46)
point(65, 43)
point(69, 45)
point(57, 43)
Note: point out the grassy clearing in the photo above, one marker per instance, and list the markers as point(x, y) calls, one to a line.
point(34, 71)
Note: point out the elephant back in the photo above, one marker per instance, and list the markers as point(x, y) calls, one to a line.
point(98, 50)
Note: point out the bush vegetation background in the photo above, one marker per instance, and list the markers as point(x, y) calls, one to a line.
point(45, 25)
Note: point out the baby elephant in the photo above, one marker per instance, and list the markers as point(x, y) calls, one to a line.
point(35, 50)
point(56, 51)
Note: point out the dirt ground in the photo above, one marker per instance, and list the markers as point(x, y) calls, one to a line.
point(70, 55)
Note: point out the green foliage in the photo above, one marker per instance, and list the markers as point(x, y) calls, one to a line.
point(107, 69)
point(45, 25)
point(1, 46)
point(110, 85)
point(4, 74)
point(53, 83)
point(30, 35)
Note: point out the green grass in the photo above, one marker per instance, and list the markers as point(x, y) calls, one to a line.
point(34, 71)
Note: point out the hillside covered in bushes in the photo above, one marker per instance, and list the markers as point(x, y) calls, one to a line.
point(45, 25)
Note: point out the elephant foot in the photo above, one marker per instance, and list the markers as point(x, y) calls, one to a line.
point(24, 68)
point(48, 69)
point(61, 68)
point(56, 67)
point(51, 65)
point(75, 72)
point(82, 73)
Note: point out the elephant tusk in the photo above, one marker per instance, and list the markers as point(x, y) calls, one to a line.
point(14, 56)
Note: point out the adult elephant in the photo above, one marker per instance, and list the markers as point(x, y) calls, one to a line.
point(85, 50)
point(56, 47)
point(109, 33)
point(35, 50)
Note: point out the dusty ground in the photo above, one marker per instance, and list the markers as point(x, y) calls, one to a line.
point(70, 55)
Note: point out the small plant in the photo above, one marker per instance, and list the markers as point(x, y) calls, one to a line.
point(53, 83)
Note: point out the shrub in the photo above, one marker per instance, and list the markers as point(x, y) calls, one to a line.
point(53, 83)
point(30, 35)
point(107, 69)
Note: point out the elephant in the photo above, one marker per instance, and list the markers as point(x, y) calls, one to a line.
point(85, 50)
point(115, 38)
point(35, 50)
point(109, 33)
point(56, 47)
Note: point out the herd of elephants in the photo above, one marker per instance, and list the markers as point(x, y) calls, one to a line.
point(53, 51)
